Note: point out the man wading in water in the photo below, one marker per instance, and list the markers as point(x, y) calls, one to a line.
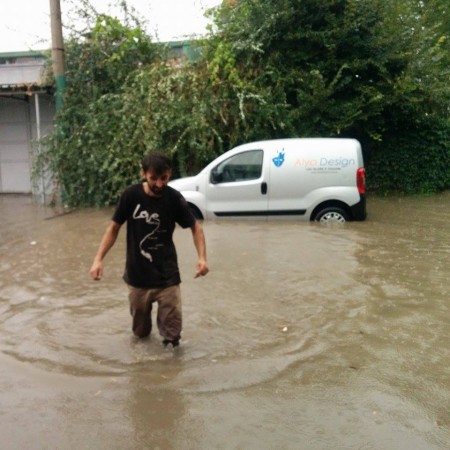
point(151, 210)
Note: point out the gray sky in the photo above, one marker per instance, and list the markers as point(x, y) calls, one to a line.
point(25, 24)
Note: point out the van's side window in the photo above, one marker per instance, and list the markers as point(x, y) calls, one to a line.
point(242, 167)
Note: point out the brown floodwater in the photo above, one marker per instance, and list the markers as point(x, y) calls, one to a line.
point(302, 336)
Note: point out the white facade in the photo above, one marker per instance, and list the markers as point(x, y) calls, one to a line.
point(26, 115)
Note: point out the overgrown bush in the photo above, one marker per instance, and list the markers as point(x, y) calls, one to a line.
point(414, 157)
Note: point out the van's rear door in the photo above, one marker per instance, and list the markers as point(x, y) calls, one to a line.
point(237, 186)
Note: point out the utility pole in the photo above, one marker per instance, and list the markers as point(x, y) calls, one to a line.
point(57, 52)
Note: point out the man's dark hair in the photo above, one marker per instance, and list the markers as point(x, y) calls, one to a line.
point(159, 162)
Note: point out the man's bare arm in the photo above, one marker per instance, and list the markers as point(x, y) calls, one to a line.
point(200, 245)
point(108, 240)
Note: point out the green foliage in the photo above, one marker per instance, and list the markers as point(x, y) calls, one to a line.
point(166, 113)
point(376, 70)
point(325, 57)
point(426, 80)
point(413, 158)
point(90, 167)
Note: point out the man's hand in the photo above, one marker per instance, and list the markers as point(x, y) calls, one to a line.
point(202, 268)
point(96, 270)
point(106, 243)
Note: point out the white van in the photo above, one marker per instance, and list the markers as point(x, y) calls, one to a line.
point(320, 179)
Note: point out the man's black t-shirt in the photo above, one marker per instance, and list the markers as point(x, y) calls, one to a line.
point(151, 256)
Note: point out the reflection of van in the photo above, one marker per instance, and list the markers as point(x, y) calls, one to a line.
point(320, 179)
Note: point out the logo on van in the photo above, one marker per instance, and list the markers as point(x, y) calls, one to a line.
point(279, 159)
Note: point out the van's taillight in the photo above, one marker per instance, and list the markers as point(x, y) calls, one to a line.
point(361, 180)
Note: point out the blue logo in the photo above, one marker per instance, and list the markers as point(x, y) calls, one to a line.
point(279, 159)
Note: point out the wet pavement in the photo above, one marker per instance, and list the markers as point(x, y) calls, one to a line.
point(301, 337)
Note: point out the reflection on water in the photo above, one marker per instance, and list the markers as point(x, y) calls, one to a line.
point(300, 337)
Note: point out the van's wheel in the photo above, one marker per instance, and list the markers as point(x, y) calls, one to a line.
point(331, 214)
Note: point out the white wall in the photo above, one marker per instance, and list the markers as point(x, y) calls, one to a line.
point(18, 133)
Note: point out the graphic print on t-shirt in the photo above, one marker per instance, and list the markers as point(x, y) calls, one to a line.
point(151, 219)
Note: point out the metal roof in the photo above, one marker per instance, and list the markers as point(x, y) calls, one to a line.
point(22, 72)
point(23, 54)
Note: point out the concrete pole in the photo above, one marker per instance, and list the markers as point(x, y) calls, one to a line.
point(57, 52)
point(38, 139)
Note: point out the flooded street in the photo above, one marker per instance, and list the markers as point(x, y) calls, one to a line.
point(301, 337)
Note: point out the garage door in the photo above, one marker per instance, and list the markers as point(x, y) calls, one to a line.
point(14, 146)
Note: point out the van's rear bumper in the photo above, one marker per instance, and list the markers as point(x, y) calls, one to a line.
point(359, 209)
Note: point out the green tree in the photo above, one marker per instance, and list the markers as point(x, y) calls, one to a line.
point(82, 154)
point(426, 25)
point(414, 154)
point(328, 61)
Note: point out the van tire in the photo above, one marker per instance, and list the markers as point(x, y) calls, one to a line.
point(331, 214)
